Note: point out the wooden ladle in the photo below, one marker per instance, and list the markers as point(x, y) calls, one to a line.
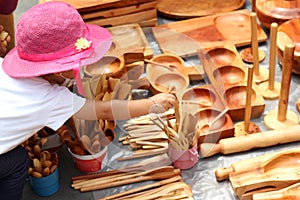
point(278, 172)
point(288, 193)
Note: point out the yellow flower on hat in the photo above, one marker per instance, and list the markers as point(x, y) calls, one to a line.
point(82, 43)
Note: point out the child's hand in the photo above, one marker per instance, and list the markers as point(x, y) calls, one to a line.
point(163, 102)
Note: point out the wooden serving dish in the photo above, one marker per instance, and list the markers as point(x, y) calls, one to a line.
point(288, 34)
point(278, 172)
point(190, 8)
point(235, 97)
point(167, 79)
point(130, 38)
point(277, 11)
point(111, 66)
point(185, 37)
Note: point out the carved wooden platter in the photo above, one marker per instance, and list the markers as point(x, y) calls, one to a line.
point(196, 8)
point(186, 36)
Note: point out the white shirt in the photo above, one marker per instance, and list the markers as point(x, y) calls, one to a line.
point(29, 104)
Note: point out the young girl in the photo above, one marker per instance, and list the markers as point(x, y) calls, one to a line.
point(52, 41)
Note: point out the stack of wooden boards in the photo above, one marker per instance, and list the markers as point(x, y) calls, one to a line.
point(116, 12)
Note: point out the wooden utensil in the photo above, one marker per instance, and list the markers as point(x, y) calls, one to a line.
point(278, 172)
point(247, 164)
point(142, 188)
point(170, 67)
point(155, 176)
point(122, 176)
point(255, 140)
point(288, 193)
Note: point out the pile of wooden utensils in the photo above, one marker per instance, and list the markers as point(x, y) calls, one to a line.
point(170, 184)
point(145, 137)
point(42, 162)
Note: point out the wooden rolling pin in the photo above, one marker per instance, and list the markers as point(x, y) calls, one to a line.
point(251, 141)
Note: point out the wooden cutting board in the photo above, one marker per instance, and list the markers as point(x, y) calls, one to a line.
point(178, 9)
point(186, 36)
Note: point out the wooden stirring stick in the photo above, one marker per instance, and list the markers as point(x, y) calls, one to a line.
point(283, 117)
point(270, 90)
point(260, 75)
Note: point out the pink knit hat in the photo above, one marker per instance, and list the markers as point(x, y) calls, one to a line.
point(52, 37)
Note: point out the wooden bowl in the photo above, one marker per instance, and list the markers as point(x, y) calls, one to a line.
point(110, 65)
point(236, 96)
point(231, 75)
point(277, 11)
point(222, 56)
point(288, 33)
point(169, 82)
point(204, 97)
point(163, 79)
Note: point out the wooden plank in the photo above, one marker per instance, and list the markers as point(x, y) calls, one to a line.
point(125, 19)
point(119, 11)
point(89, 5)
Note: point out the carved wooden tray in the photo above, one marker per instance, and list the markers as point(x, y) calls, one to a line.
point(186, 36)
point(130, 38)
point(196, 8)
point(232, 71)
